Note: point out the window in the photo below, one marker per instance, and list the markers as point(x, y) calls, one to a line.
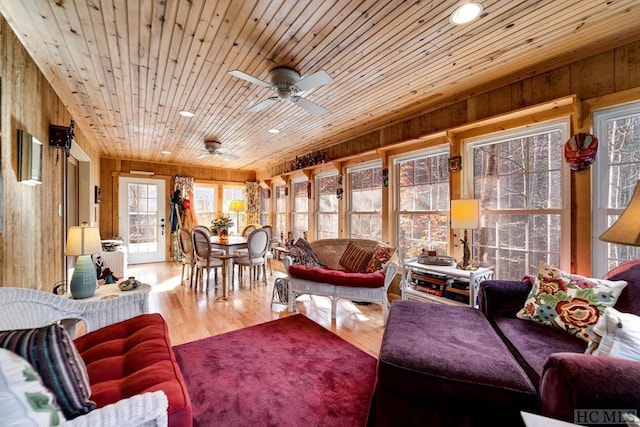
point(204, 203)
point(616, 174)
point(280, 228)
point(264, 206)
point(327, 224)
point(522, 183)
point(423, 203)
point(365, 202)
point(228, 194)
point(300, 213)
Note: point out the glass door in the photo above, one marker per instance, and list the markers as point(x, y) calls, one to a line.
point(142, 218)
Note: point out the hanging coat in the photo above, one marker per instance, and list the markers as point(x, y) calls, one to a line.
point(176, 211)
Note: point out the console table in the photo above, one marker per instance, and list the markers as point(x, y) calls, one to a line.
point(444, 276)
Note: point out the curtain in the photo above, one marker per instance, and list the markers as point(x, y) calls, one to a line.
point(252, 201)
point(185, 185)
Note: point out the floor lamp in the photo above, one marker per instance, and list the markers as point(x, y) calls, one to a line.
point(465, 214)
point(83, 241)
point(626, 230)
point(237, 206)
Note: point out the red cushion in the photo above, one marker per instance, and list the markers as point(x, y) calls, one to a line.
point(132, 357)
point(337, 277)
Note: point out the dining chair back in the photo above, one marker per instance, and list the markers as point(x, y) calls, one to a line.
point(188, 257)
point(269, 255)
point(248, 229)
point(205, 257)
point(257, 246)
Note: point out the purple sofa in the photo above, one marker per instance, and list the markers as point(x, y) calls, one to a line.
point(565, 377)
point(442, 365)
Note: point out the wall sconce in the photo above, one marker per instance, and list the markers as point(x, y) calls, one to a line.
point(455, 164)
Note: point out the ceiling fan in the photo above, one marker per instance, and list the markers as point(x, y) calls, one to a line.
point(288, 83)
point(215, 148)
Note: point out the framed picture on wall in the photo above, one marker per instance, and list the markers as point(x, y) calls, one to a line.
point(96, 191)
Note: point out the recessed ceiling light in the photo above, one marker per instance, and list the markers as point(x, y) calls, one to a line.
point(274, 130)
point(165, 152)
point(465, 13)
point(186, 113)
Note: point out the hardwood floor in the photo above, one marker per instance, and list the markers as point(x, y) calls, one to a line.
point(195, 314)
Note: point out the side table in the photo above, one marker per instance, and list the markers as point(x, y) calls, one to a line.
point(110, 305)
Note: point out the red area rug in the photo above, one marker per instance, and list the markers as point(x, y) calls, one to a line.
point(287, 372)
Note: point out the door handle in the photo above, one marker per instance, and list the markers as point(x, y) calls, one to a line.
point(162, 226)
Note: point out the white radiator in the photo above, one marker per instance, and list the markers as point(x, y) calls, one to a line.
point(116, 261)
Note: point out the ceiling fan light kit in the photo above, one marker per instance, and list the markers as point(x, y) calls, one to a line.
point(288, 83)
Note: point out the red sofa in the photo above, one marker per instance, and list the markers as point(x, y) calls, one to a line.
point(132, 357)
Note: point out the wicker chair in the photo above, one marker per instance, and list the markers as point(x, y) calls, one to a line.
point(27, 308)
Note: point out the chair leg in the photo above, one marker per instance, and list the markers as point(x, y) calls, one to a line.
point(182, 274)
point(191, 272)
point(264, 274)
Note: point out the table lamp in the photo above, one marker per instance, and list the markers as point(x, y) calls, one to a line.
point(465, 213)
point(83, 241)
point(626, 230)
point(237, 206)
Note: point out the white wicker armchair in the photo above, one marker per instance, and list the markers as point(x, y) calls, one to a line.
point(27, 308)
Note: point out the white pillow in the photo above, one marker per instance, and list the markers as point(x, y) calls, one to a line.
point(616, 335)
point(24, 400)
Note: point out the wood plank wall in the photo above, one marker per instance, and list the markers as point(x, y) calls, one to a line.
point(111, 169)
point(31, 250)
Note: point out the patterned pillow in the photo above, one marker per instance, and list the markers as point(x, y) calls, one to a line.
point(381, 256)
point(355, 258)
point(24, 400)
point(569, 302)
point(303, 253)
point(52, 353)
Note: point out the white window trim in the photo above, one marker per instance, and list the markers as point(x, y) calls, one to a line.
point(600, 182)
point(565, 211)
point(347, 192)
point(317, 212)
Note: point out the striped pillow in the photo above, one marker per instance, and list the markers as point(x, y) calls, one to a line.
point(355, 258)
point(53, 355)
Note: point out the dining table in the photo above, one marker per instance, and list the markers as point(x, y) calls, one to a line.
point(229, 246)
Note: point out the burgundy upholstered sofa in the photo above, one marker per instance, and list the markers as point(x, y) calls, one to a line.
point(443, 365)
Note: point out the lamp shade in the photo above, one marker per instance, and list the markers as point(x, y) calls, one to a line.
point(236, 206)
point(83, 241)
point(626, 230)
point(465, 213)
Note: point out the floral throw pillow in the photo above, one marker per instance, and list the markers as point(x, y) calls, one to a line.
point(569, 302)
point(381, 256)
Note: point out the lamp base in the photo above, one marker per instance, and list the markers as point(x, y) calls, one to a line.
point(466, 263)
point(84, 281)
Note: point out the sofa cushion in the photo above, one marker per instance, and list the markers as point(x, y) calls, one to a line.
point(450, 356)
point(532, 343)
point(51, 352)
point(629, 300)
point(24, 400)
point(133, 357)
point(337, 277)
point(569, 302)
point(355, 258)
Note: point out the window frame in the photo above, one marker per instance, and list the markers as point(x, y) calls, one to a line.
point(349, 199)
point(318, 213)
point(214, 213)
point(468, 190)
point(294, 212)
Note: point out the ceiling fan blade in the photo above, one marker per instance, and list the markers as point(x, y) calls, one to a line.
point(244, 76)
point(264, 104)
point(229, 156)
point(311, 107)
point(203, 156)
point(313, 81)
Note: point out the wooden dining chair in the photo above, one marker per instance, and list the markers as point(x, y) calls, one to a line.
point(205, 255)
point(257, 246)
point(188, 257)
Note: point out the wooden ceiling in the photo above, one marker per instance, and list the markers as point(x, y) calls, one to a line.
point(126, 68)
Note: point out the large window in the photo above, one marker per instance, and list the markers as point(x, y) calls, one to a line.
point(522, 183)
point(230, 193)
point(327, 224)
point(365, 202)
point(423, 203)
point(204, 203)
point(617, 172)
point(264, 206)
point(300, 213)
point(280, 215)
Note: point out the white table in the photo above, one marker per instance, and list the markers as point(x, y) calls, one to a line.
point(110, 305)
point(233, 243)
